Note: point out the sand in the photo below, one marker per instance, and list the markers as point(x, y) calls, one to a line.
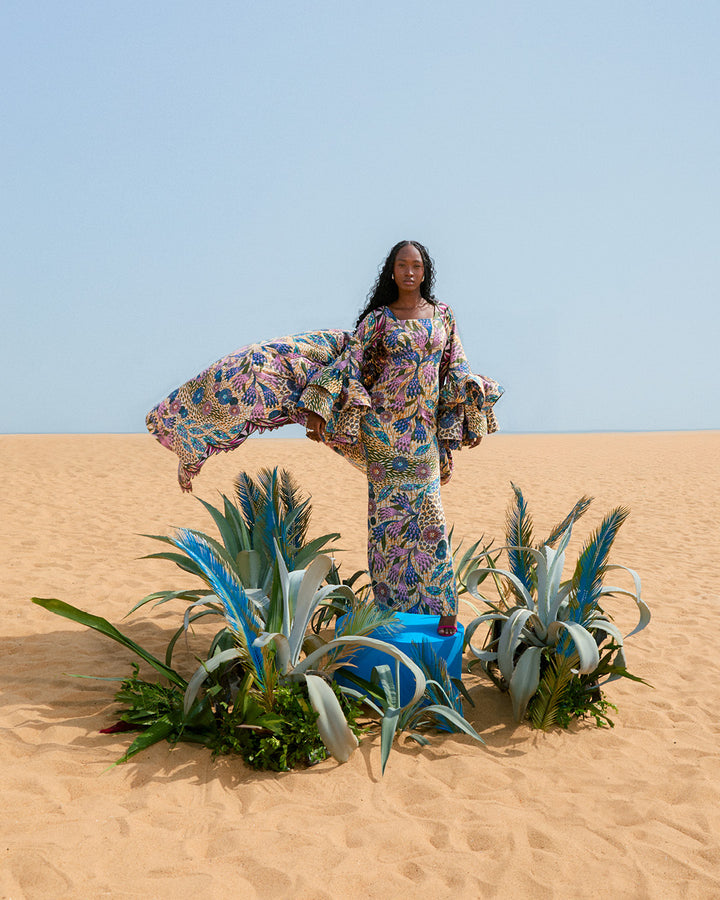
point(632, 811)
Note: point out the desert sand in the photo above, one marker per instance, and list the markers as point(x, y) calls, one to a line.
point(629, 812)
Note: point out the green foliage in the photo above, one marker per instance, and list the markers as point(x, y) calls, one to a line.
point(439, 706)
point(157, 712)
point(263, 688)
point(547, 636)
point(271, 514)
point(582, 700)
point(554, 687)
point(465, 562)
point(147, 701)
point(291, 740)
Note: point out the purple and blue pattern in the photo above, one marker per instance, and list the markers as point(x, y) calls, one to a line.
point(397, 397)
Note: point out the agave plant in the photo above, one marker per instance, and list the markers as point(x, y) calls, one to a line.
point(265, 582)
point(546, 628)
point(270, 512)
point(301, 595)
point(466, 562)
point(439, 706)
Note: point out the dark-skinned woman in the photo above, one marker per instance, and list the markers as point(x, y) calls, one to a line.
point(394, 398)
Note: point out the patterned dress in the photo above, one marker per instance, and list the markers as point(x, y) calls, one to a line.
point(397, 397)
point(252, 390)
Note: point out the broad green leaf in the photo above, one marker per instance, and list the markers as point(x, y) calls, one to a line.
point(183, 562)
point(642, 606)
point(97, 623)
point(473, 578)
point(308, 597)
point(472, 627)
point(282, 646)
point(225, 528)
point(181, 630)
point(166, 596)
point(156, 732)
point(601, 624)
point(360, 641)
point(454, 718)
point(388, 727)
point(587, 648)
point(249, 565)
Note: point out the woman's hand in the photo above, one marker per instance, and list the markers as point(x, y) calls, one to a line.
point(315, 427)
point(475, 443)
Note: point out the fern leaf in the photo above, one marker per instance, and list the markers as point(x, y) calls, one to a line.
point(248, 497)
point(297, 509)
point(553, 685)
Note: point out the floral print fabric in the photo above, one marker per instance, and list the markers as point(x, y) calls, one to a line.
point(254, 389)
point(397, 402)
point(397, 397)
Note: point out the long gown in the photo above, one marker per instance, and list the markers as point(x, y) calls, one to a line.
point(397, 397)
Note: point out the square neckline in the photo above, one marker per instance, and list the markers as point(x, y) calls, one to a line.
point(413, 319)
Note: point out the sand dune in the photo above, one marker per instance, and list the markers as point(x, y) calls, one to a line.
point(631, 812)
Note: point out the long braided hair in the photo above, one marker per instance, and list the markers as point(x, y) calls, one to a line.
point(384, 291)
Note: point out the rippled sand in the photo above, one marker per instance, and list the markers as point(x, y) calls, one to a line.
point(629, 812)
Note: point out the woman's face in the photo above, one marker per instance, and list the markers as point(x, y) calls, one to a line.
point(408, 268)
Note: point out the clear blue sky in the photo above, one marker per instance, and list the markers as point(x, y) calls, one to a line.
point(178, 179)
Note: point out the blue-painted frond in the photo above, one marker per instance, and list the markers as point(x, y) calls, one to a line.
point(590, 568)
point(519, 533)
point(247, 494)
point(238, 610)
point(434, 668)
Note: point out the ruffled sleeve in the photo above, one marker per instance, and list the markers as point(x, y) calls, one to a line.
point(465, 406)
point(337, 393)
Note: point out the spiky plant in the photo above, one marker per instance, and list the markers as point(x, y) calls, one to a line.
point(271, 511)
point(552, 627)
point(439, 706)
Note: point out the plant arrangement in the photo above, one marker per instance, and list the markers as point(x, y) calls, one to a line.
point(550, 643)
point(266, 688)
point(440, 707)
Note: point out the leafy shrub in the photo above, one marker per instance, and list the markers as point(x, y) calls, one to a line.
point(551, 639)
point(264, 686)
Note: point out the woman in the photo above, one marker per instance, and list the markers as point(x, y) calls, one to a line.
point(395, 398)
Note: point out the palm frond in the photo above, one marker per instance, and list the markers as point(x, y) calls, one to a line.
point(297, 509)
point(519, 533)
point(248, 495)
point(266, 530)
point(434, 668)
point(590, 568)
point(553, 685)
point(364, 618)
point(239, 611)
point(575, 513)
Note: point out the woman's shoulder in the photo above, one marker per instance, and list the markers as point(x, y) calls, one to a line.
point(372, 319)
point(445, 311)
